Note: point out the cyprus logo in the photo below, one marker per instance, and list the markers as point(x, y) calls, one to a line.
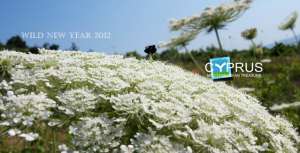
point(220, 68)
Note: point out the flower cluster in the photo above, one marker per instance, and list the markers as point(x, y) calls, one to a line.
point(290, 22)
point(78, 100)
point(100, 134)
point(109, 103)
point(25, 109)
point(212, 17)
point(249, 34)
point(181, 40)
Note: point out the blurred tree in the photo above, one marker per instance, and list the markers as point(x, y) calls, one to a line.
point(50, 47)
point(133, 54)
point(54, 47)
point(16, 42)
point(46, 45)
point(90, 50)
point(2, 46)
point(74, 47)
point(34, 50)
point(282, 49)
point(171, 55)
point(290, 24)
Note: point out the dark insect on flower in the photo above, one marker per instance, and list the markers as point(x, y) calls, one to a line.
point(150, 49)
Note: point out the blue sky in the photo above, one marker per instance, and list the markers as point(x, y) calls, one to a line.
point(136, 23)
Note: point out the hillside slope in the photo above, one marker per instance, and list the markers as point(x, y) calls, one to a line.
point(90, 102)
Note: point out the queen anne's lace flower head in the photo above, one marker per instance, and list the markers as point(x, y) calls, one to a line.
point(249, 34)
point(290, 22)
point(182, 40)
point(216, 17)
point(79, 100)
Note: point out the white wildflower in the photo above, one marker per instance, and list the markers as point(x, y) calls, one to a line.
point(126, 149)
point(145, 143)
point(99, 134)
point(29, 136)
point(13, 132)
point(78, 100)
point(10, 93)
point(27, 108)
point(267, 60)
point(63, 148)
point(247, 90)
point(54, 123)
point(285, 106)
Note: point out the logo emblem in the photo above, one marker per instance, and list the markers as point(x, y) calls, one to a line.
point(220, 68)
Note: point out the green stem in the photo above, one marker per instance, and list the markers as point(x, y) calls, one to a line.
point(192, 57)
point(295, 35)
point(150, 57)
point(254, 48)
point(253, 43)
point(53, 141)
point(218, 38)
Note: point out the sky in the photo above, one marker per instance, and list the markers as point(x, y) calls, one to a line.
point(130, 25)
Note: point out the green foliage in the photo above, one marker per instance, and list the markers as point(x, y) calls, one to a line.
point(5, 67)
point(294, 72)
point(133, 54)
point(282, 49)
point(170, 55)
point(54, 47)
point(16, 42)
point(2, 46)
point(275, 90)
point(51, 47)
point(33, 50)
point(74, 47)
